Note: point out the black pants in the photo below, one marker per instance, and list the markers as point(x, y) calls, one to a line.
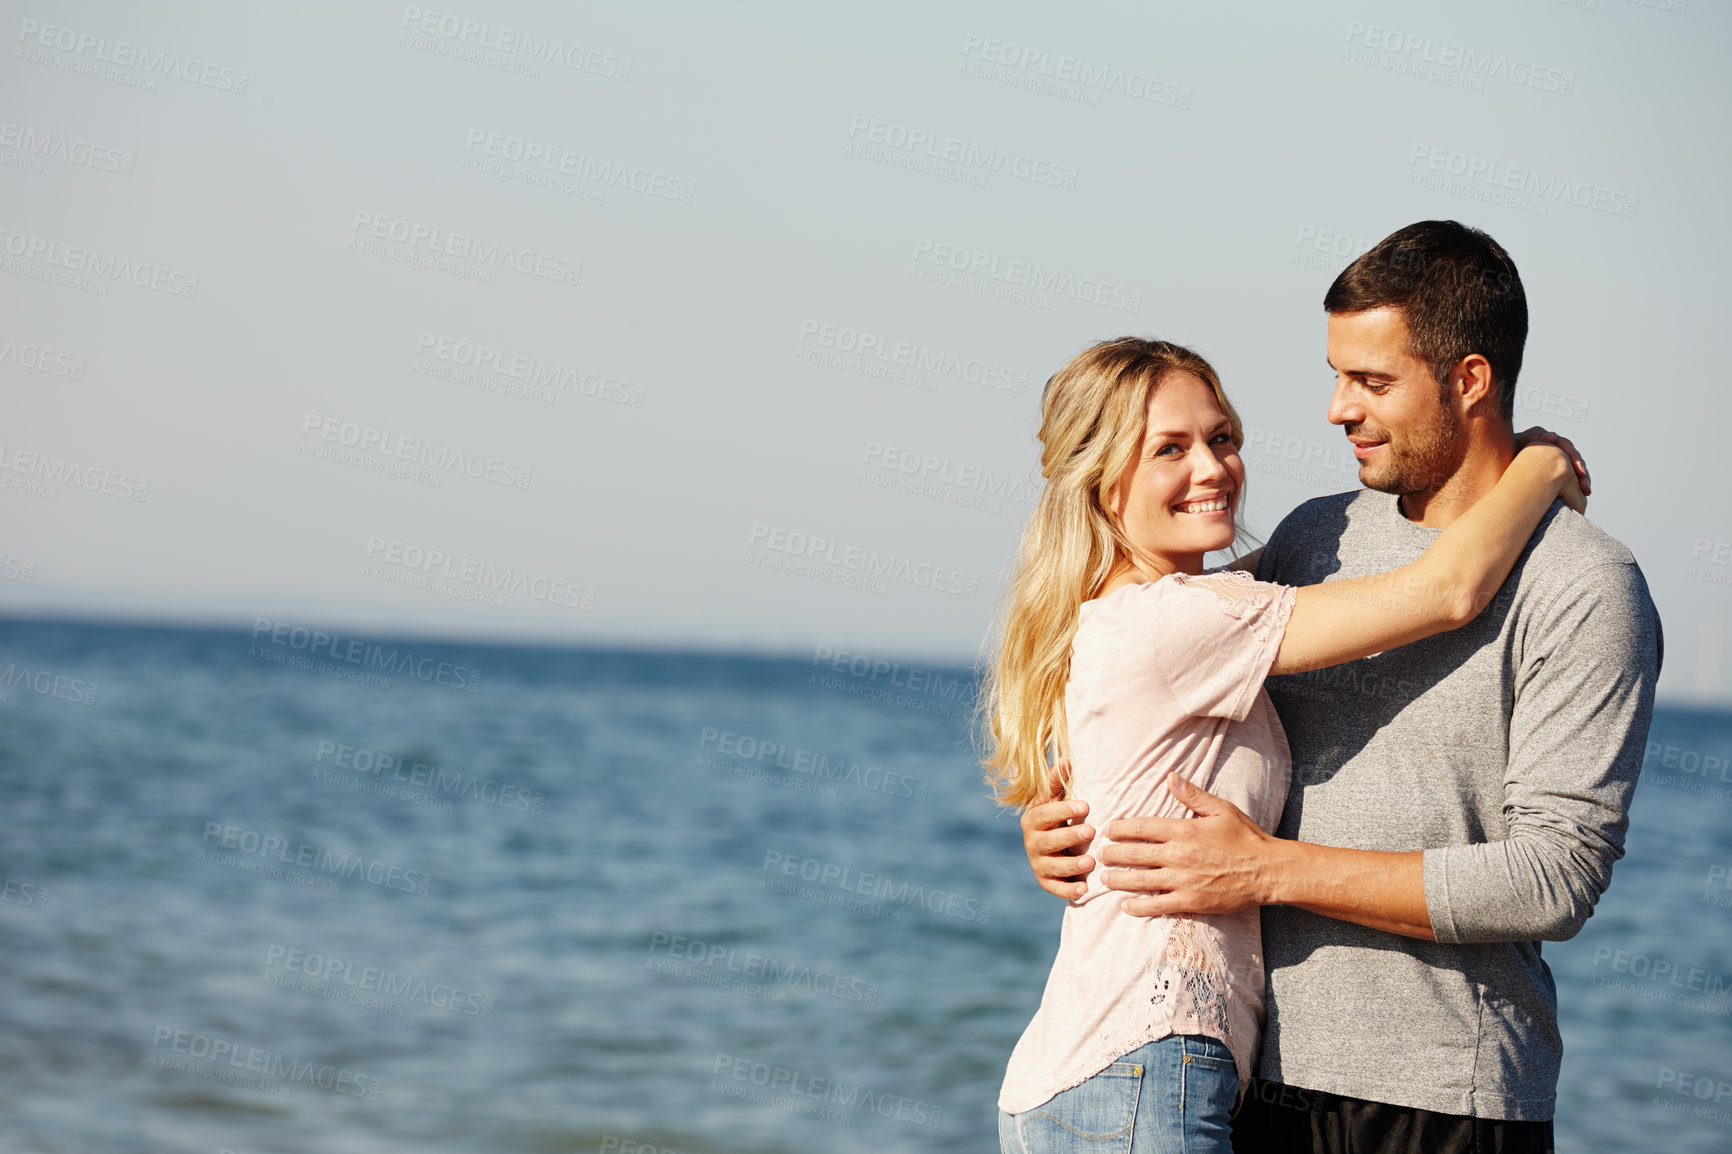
point(1277, 1119)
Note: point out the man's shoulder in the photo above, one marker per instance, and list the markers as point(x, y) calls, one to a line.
point(1578, 577)
point(1569, 550)
point(1565, 534)
point(1322, 514)
point(1305, 547)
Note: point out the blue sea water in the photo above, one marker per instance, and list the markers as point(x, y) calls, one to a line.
point(390, 895)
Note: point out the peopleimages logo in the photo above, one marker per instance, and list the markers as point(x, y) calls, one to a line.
point(123, 54)
point(781, 976)
point(432, 241)
point(1709, 561)
point(417, 559)
point(47, 683)
point(533, 372)
point(1485, 178)
point(361, 654)
point(105, 267)
point(944, 471)
point(966, 155)
point(366, 439)
point(251, 843)
point(748, 748)
point(41, 360)
point(582, 166)
point(44, 143)
point(1453, 61)
point(911, 355)
point(1069, 77)
point(947, 685)
point(1021, 274)
point(788, 1089)
point(266, 1063)
point(361, 760)
point(865, 564)
point(517, 42)
point(364, 979)
point(877, 887)
point(63, 471)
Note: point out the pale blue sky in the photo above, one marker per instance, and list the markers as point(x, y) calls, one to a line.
point(1224, 167)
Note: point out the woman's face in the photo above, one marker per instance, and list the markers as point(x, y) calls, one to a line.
point(1177, 500)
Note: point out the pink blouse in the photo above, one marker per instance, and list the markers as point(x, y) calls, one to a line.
point(1164, 676)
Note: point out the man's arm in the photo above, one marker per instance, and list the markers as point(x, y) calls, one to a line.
point(1385, 891)
point(1221, 860)
point(1577, 732)
point(1576, 737)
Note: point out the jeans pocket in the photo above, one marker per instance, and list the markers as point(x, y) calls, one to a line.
point(1209, 1091)
point(1210, 1053)
point(1101, 1112)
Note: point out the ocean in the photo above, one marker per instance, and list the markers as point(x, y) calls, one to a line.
point(280, 891)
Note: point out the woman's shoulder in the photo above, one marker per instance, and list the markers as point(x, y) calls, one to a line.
point(1222, 582)
point(1187, 603)
point(1231, 584)
point(1139, 602)
point(1125, 594)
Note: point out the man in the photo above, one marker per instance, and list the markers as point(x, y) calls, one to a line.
point(1454, 802)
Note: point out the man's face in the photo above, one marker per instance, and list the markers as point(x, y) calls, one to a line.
point(1406, 435)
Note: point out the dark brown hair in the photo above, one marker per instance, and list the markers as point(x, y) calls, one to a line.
point(1457, 289)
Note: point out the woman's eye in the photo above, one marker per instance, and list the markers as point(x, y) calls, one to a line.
point(1167, 450)
point(1222, 438)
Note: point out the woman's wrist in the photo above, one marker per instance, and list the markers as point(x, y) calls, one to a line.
point(1552, 462)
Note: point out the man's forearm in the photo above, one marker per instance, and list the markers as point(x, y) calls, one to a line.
point(1385, 891)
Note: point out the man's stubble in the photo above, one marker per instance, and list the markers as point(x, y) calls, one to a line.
point(1419, 462)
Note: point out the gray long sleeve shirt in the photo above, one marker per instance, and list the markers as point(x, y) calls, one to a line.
point(1507, 750)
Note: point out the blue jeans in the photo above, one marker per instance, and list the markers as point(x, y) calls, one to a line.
point(1173, 1096)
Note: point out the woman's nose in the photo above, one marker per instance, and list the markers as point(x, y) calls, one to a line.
point(1207, 464)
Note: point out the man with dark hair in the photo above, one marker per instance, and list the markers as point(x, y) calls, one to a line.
point(1454, 802)
point(1458, 291)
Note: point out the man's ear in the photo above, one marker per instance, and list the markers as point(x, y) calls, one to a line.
point(1471, 383)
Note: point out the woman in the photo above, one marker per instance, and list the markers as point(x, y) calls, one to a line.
point(1119, 653)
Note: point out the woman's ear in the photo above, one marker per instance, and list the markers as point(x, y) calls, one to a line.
point(1113, 501)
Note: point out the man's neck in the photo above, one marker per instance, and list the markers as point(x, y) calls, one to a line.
point(1488, 455)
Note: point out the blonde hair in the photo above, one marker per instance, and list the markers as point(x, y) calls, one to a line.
point(1093, 413)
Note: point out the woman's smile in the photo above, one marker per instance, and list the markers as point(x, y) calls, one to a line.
point(1176, 501)
point(1206, 507)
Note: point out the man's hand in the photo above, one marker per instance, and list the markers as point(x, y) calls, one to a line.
point(1221, 861)
point(1054, 844)
point(1214, 863)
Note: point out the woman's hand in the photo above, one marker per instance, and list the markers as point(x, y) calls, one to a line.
point(1557, 459)
point(1573, 494)
point(1055, 846)
point(1537, 435)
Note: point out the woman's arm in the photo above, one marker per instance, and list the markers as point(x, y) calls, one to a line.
point(1444, 589)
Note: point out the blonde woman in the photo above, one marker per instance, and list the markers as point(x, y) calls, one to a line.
point(1119, 653)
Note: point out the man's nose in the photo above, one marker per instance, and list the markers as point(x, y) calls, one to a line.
point(1344, 408)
